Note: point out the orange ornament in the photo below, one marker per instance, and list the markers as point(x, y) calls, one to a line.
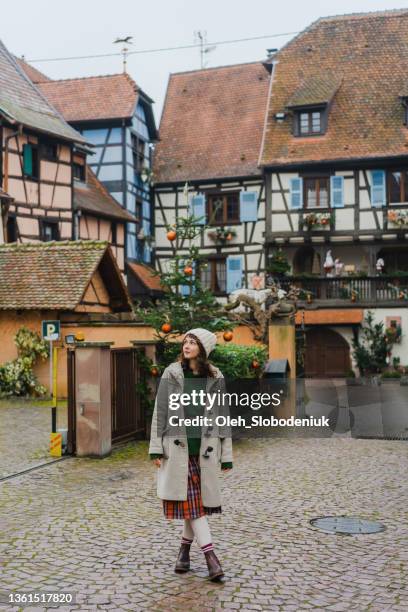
point(154, 371)
point(171, 235)
point(255, 364)
point(188, 270)
point(166, 328)
point(228, 335)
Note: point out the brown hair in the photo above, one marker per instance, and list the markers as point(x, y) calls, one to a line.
point(204, 367)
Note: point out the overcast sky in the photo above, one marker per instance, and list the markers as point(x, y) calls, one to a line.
point(52, 29)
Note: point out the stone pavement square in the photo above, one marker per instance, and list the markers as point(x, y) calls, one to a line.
point(95, 527)
point(25, 434)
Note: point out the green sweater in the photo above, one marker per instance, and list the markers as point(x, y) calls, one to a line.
point(191, 382)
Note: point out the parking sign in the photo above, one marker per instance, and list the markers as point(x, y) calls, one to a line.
point(50, 330)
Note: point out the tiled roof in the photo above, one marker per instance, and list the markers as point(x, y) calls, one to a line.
point(94, 198)
point(55, 275)
point(36, 76)
point(112, 96)
point(212, 123)
point(317, 90)
point(368, 53)
point(22, 102)
point(145, 274)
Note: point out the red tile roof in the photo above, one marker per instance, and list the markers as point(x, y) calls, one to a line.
point(33, 74)
point(146, 275)
point(55, 275)
point(212, 123)
point(94, 198)
point(22, 102)
point(111, 96)
point(368, 54)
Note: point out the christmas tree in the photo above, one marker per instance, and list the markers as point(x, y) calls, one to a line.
point(186, 303)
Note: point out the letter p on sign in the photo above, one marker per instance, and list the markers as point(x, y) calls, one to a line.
point(50, 330)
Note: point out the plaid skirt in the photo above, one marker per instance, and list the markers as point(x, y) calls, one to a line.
point(192, 507)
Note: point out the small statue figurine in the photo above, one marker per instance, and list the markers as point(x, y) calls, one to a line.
point(379, 266)
point(329, 264)
point(338, 266)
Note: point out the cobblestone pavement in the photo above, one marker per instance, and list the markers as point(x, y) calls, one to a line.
point(95, 527)
point(25, 435)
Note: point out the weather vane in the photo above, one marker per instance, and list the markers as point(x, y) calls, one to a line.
point(125, 51)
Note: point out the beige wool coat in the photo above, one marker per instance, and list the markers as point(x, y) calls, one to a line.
point(172, 476)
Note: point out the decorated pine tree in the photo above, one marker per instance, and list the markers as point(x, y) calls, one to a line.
point(186, 303)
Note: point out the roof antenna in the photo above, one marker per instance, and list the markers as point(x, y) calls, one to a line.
point(124, 50)
point(200, 37)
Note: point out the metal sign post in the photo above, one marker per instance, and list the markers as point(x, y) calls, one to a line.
point(51, 331)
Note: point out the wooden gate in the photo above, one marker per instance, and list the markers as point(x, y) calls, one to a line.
point(327, 354)
point(127, 412)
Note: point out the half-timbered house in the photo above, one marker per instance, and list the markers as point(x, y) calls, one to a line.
point(98, 216)
point(116, 116)
point(36, 156)
point(206, 163)
point(335, 156)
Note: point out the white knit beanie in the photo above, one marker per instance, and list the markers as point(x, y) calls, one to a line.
point(207, 338)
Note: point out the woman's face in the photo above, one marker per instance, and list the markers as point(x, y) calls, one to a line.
point(191, 349)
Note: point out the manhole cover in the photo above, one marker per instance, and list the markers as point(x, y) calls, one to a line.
point(346, 524)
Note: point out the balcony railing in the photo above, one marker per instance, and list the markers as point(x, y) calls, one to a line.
point(358, 290)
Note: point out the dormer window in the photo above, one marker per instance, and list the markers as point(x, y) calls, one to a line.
point(310, 105)
point(309, 123)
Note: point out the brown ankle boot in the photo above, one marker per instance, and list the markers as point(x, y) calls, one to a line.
point(214, 567)
point(183, 559)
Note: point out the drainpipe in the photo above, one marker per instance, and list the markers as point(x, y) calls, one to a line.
point(77, 215)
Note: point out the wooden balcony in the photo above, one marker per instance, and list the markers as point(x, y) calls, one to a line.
point(367, 291)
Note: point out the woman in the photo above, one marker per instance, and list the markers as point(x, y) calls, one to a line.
point(189, 458)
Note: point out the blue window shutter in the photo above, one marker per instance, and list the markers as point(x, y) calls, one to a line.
point(248, 206)
point(337, 191)
point(234, 273)
point(146, 209)
point(146, 227)
point(27, 159)
point(378, 193)
point(296, 193)
point(184, 289)
point(146, 253)
point(197, 208)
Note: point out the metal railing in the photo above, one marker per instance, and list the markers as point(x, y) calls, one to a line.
point(371, 289)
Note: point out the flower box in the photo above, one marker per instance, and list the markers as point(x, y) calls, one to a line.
point(398, 218)
point(222, 234)
point(315, 220)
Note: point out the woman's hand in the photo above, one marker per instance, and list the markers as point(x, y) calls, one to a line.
point(157, 462)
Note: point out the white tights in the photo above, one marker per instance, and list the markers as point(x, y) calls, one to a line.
point(199, 528)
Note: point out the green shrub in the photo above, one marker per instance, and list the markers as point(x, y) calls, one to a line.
point(17, 376)
point(234, 360)
point(391, 374)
